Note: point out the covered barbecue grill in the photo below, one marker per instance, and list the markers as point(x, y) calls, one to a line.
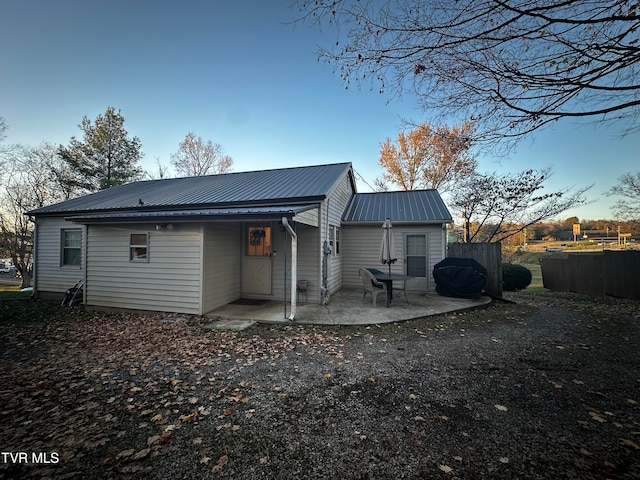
point(460, 277)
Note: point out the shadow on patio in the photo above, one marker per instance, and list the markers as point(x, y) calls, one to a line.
point(345, 308)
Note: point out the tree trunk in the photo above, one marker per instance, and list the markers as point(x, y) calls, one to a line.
point(26, 279)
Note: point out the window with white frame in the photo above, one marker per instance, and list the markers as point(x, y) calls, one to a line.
point(334, 239)
point(71, 247)
point(139, 247)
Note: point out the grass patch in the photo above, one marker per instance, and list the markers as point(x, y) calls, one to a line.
point(13, 293)
point(18, 308)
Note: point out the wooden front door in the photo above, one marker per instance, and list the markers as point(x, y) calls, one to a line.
point(256, 271)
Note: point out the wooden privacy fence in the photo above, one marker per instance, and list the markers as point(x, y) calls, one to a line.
point(598, 274)
point(489, 255)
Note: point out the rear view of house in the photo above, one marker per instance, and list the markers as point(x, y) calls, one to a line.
point(191, 245)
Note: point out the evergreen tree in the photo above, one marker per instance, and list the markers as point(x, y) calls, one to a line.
point(106, 157)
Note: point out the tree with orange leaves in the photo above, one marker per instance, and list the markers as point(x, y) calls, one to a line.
point(427, 157)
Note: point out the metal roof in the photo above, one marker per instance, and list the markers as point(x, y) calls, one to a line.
point(299, 184)
point(412, 206)
point(186, 215)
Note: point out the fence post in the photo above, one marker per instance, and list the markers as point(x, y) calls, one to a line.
point(489, 255)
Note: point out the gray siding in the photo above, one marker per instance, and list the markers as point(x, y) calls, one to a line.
point(361, 247)
point(170, 281)
point(310, 217)
point(222, 256)
point(335, 206)
point(50, 276)
point(309, 261)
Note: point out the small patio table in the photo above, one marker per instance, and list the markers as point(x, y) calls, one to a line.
point(388, 279)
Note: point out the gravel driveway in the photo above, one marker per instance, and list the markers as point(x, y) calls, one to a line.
point(544, 388)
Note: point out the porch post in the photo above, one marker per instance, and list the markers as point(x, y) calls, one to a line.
point(294, 266)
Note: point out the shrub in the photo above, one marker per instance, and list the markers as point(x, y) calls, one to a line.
point(515, 277)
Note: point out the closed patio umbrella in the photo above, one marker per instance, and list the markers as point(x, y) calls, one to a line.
point(387, 248)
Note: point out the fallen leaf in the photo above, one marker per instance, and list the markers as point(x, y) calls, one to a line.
point(188, 418)
point(504, 459)
point(596, 417)
point(629, 443)
point(502, 408)
point(159, 418)
point(126, 453)
point(446, 468)
point(205, 460)
point(141, 454)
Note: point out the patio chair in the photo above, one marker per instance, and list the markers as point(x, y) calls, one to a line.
point(375, 271)
point(370, 284)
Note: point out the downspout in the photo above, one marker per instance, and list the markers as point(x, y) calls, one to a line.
point(34, 256)
point(294, 266)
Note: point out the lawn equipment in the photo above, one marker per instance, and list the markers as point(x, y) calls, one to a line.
point(74, 295)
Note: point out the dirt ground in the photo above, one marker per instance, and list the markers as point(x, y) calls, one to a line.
point(548, 387)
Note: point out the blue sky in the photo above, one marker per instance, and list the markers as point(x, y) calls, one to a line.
point(237, 74)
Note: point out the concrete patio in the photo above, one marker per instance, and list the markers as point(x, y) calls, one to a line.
point(345, 307)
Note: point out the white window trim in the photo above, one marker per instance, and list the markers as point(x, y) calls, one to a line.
point(63, 248)
point(136, 259)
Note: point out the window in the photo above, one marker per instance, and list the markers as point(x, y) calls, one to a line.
point(139, 247)
point(332, 243)
point(416, 255)
point(71, 247)
point(259, 241)
point(334, 239)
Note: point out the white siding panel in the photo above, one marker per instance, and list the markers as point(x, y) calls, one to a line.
point(332, 215)
point(310, 217)
point(309, 261)
point(307, 266)
point(50, 276)
point(169, 281)
point(222, 260)
point(361, 247)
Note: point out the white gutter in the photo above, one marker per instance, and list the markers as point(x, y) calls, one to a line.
point(294, 266)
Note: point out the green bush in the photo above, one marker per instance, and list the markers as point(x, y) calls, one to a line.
point(515, 277)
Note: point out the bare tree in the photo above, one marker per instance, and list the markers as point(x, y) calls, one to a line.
point(196, 157)
point(628, 186)
point(3, 135)
point(28, 183)
point(162, 171)
point(496, 207)
point(511, 66)
point(427, 157)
